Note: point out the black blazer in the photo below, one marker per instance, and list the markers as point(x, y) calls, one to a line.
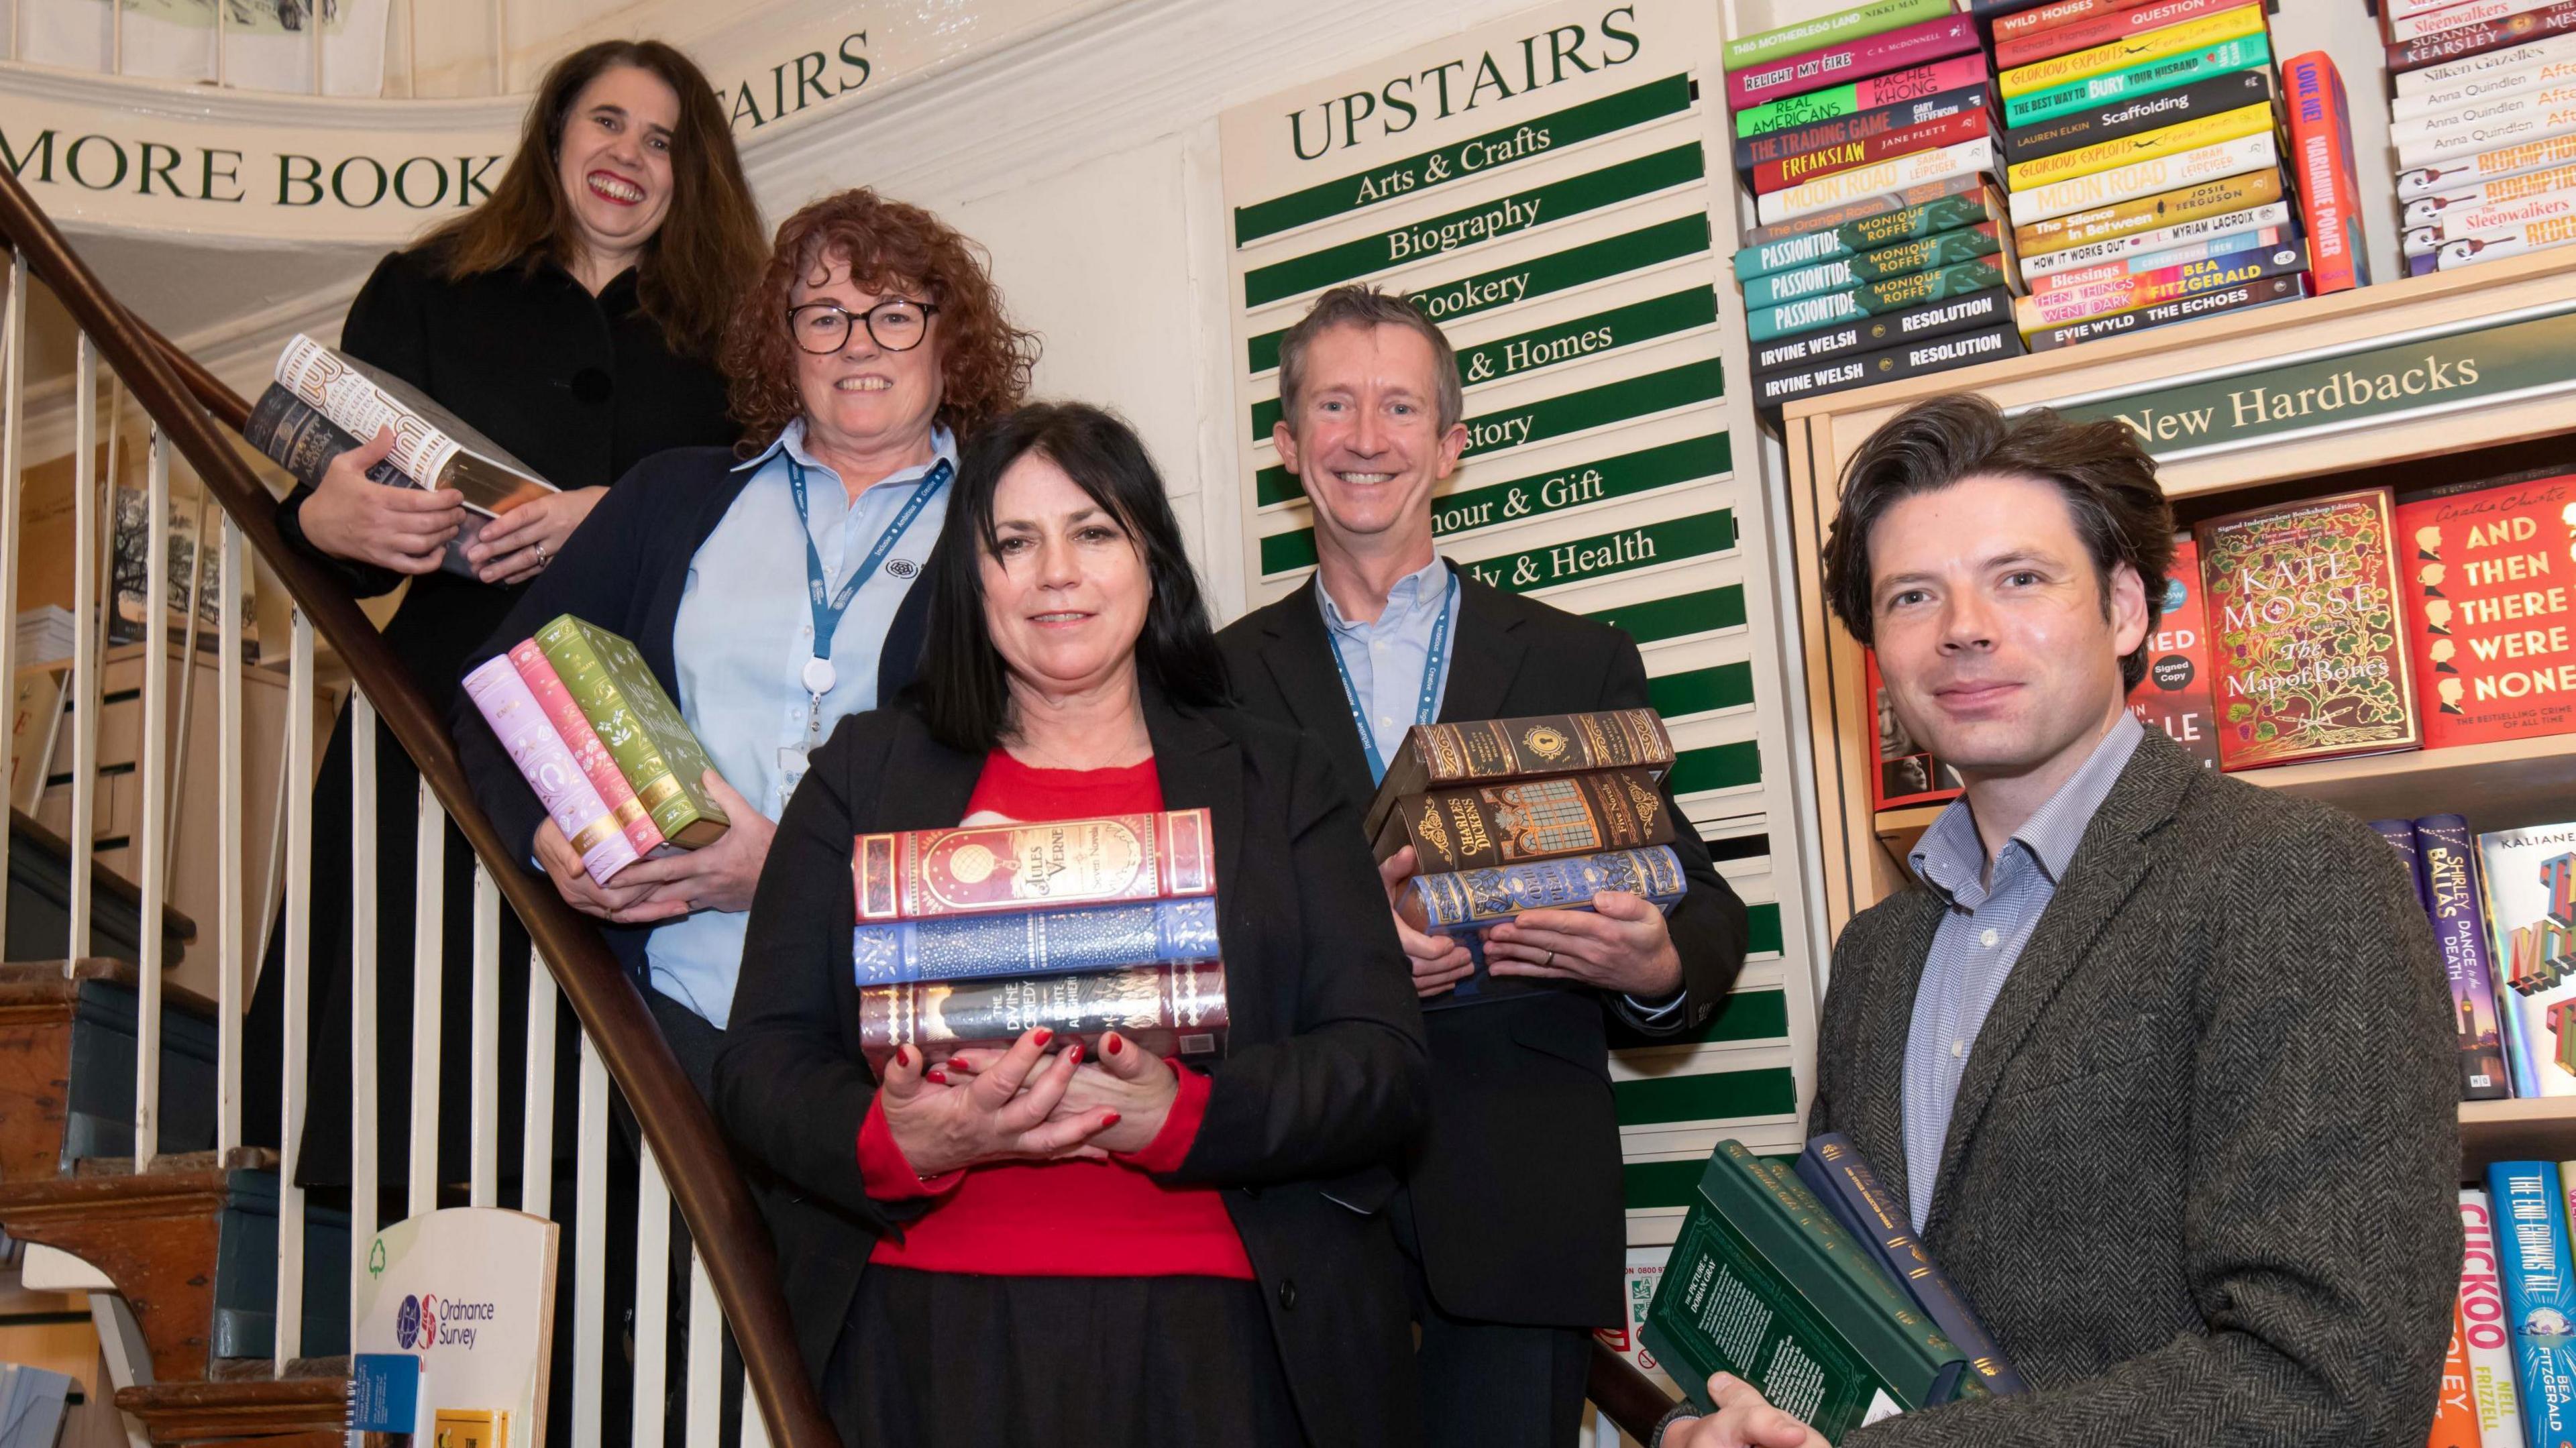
point(1516, 1190)
point(1324, 1075)
point(624, 569)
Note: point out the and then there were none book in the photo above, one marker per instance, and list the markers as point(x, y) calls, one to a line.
point(2491, 591)
point(2307, 652)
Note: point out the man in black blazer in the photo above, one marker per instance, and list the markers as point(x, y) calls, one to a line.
point(1510, 1212)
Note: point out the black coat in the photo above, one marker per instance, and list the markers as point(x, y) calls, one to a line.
point(1516, 1191)
point(580, 388)
point(1323, 1081)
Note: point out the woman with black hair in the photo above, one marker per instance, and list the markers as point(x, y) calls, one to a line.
point(1017, 1245)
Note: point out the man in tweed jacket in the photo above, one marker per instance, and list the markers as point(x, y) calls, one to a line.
point(2160, 1059)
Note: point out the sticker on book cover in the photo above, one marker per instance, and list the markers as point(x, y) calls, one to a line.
point(1880, 1406)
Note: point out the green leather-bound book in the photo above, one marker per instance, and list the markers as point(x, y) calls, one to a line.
point(653, 746)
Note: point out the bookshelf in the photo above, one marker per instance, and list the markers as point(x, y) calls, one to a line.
point(2187, 388)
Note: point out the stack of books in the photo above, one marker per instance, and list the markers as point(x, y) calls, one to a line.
point(974, 935)
point(44, 635)
point(2142, 157)
point(616, 767)
point(1881, 250)
point(1810, 1283)
point(2484, 124)
point(2513, 1360)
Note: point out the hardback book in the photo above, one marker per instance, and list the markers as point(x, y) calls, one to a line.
point(2448, 861)
point(2243, 297)
point(2512, 241)
point(432, 446)
point(2164, 284)
point(529, 738)
point(1967, 123)
point(1976, 202)
point(2130, 51)
point(2539, 1297)
point(1862, 208)
point(301, 440)
point(1895, 294)
point(2050, 16)
point(1850, 1188)
point(1464, 900)
point(1894, 118)
point(2134, 248)
point(1861, 20)
point(1870, 334)
point(2121, 219)
point(2455, 223)
point(1850, 59)
point(1784, 1299)
point(1866, 94)
point(2188, 133)
point(2504, 124)
point(2245, 53)
point(1470, 751)
point(2516, 159)
point(2175, 694)
point(2114, 276)
point(653, 746)
point(2136, 115)
point(1527, 819)
point(597, 764)
point(1907, 772)
point(2478, 115)
point(2455, 1414)
point(1035, 942)
point(2400, 835)
point(2529, 877)
point(2489, 1332)
point(2306, 648)
point(975, 869)
point(2430, 80)
point(1906, 359)
point(1895, 174)
point(2484, 36)
point(2394, 29)
point(2093, 30)
point(1171, 1010)
point(2491, 595)
point(2215, 161)
point(1905, 258)
point(2479, 87)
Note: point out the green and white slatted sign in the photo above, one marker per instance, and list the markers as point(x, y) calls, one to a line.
point(1542, 188)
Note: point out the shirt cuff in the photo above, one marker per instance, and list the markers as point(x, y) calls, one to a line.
point(1649, 1014)
point(1171, 1145)
point(889, 1177)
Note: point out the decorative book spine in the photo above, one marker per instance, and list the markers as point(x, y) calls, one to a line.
point(1433, 754)
point(301, 440)
point(2305, 639)
point(1036, 942)
point(532, 744)
point(1528, 819)
point(2486, 572)
point(1473, 899)
point(587, 750)
point(2321, 148)
point(318, 376)
point(2490, 1334)
point(652, 745)
point(1173, 1010)
point(2449, 876)
point(913, 874)
point(1838, 1174)
point(2540, 1300)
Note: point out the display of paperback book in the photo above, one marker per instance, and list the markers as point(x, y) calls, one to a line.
point(2529, 876)
point(2175, 695)
point(2539, 1295)
point(2484, 1327)
point(2307, 646)
point(1907, 772)
point(2446, 864)
point(2490, 581)
point(2325, 171)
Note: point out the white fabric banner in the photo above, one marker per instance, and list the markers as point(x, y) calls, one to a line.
point(266, 45)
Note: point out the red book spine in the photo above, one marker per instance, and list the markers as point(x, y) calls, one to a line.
point(2175, 694)
point(2329, 177)
point(1851, 60)
point(1787, 171)
point(586, 749)
point(2489, 617)
point(2484, 36)
point(2030, 22)
point(2102, 30)
point(1052, 864)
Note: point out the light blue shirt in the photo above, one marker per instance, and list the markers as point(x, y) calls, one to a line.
point(1981, 935)
point(744, 632)
point(1386, 657)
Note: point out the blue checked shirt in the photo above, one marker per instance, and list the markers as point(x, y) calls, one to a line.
point(1980, 937)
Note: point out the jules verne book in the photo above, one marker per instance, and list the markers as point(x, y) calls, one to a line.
point(1458, 753)
point(1035, 942)
point(2539, 1293)
point(1851, 1189)
point(1527, 819)
point(653, 746)
point(1171, 1010)
point(2306, 644)
point(2448, 861)
point(529, 738)
point(1473, 899)
point(301, 440)
point(2175, 694)
point(596, 763)
point(970, 869)
point(2529, 879)
point(2491, 599)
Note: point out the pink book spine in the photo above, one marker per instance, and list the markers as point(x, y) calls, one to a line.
point(529, 738)
point(573, 727)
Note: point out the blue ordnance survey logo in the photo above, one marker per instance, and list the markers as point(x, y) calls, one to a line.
point(424, 1322)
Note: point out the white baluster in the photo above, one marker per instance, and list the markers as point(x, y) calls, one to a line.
point(484, 1175)
point(755, 1428)
point(230, 986)
point(13, 406)
point(299, 986)
point(156, 764)
point(537, 1137)
point(590, 1248)
point(428, 950)
point(652, 1298)
point(85, 631)
point(363, 1049)
point(706, 1355)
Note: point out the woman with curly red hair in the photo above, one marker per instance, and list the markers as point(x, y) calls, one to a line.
point(770, 587)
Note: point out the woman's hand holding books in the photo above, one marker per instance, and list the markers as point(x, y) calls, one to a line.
point(1135, 1086)
point(720, 876)
point(350, 516)
point(1012, 1109)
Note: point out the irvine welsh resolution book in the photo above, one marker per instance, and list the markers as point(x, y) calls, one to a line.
point(2491, 590)
point(2305, 640)
point(1171, 1010)
point(970, 869)
point(1528, 819)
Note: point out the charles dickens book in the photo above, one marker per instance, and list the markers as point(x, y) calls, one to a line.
point(2488, 577)
point(653, 746)
point(2448, 871)
point(1528, 819)
point(432, 446)
point(1461, 753)
point(2305, 641)
point(1770, 1289)
point(1035, 942)
point(2174, 695)
point(1467, 900)
point(1850, 1188)
point(301, 440)
point(1907, 772)
point(973, 869)
point(1172, 1010)
point(2529, 877)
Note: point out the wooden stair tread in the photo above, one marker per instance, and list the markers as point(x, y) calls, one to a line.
point(261, 1370)
point(236, 1392)
point(254, 1412)
point(48, 982)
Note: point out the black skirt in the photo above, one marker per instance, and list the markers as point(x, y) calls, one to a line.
point(949, 1357)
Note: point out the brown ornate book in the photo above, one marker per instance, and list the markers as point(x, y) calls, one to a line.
point(1173, 1010)
point(1494, 749)
point(1528, 819)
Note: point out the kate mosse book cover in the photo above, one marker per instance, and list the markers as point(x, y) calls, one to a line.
point(1467, 751)
point(1527, 819)
point(2306, 639)
point(968, 869)
point(2490, 585)
point(653, 746)
point(1171, 1010)
point(2447, 861)
point(1035, 942)
point(2529, 876)
point(1467, 900)
point(2175, 694)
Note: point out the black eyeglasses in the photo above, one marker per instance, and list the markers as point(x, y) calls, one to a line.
point(897, 323)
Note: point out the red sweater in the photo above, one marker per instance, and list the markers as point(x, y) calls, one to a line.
point(1061, 1218)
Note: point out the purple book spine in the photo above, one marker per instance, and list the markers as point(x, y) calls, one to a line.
point(2400, 835)
point(530, 740)
point(1853, 60)
point(2450, 878)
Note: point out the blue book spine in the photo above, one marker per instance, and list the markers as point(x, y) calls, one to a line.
point(1849, 1186)
point(2539, 1300)
point(2400, 835)
point(1035, 942)
point(1474, 899)
point(2449, 876)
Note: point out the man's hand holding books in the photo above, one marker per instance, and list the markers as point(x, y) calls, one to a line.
point(1742, 1420)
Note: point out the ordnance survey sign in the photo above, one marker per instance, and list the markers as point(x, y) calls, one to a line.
point(1542, 188)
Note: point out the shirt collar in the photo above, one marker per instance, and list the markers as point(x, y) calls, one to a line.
point(791, 441)
point(1409, 593)
point(1949, 852)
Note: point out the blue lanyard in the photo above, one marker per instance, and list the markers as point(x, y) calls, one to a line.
point(1427, 706)
point(827, 615)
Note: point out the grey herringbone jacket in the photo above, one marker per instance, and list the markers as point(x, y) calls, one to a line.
point(2200, 1179)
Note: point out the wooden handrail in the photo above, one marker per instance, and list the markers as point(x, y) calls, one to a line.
point(1624, 1395)
point(731, 1237)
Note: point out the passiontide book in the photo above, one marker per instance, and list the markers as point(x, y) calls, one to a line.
point(2306, 646)
point(2174, 696)
point(2491, 596)
point(2530, 880)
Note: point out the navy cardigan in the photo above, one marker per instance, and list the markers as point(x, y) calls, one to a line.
point(623, 570)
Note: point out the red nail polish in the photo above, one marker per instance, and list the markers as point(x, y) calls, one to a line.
point(903, 1057)
point(957, 1063)
point(1111, 1045)
point(1073, 1053)
point(1110, 1120)
point(938, 1078)
point(1044, 1036)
